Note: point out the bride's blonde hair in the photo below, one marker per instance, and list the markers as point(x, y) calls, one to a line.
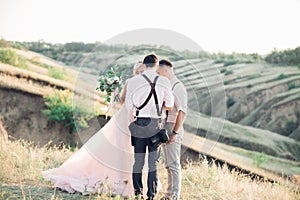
point(136, 67)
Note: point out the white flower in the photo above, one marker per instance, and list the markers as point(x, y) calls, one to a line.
point(116, 79)
point(110, 81)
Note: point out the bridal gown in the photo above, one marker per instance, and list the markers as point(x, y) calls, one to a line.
point(102, 164)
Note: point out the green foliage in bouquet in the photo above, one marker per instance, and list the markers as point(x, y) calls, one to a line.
point(110, 81)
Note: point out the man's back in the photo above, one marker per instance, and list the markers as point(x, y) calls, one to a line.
point(138, 89)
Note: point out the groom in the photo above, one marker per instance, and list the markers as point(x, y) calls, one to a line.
point(146, 94)
point(175, 130)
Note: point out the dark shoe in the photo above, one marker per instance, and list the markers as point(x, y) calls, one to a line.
point(150, 198)
point(166, 198)
point(138, 197)
point(138, 194)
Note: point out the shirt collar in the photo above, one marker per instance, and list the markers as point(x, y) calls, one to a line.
point(150, 72)
point(174, 79)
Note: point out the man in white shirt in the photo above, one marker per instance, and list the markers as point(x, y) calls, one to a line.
point(147, 118)
point(174, 128)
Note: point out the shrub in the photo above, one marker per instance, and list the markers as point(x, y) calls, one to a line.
point(223, 71)
point(230, 101)
point(281, 76)
point(292, 85)
point(290, 126)
point(60, 73)
point(234, 58)
point(228, 72)
point(286, 57)
point(54, 72)
point(60, 109)
point(219, 61)
point(226, 82)
point(19, 45)
point(57, 73)
point(259, 159)
point(254, 76)
point(230, 62)
point(249, 61)
point(10, 57)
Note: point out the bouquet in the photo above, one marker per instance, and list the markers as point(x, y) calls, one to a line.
point(110, 82)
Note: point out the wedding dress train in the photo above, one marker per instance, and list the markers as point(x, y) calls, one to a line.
point(103, 164)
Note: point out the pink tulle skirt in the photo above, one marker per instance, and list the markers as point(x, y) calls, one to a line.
point(102, 165)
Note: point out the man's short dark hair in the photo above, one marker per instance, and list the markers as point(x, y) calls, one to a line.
point(150, 60)
point(166, 63)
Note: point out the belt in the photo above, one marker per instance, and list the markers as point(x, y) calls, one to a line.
point(147, 118)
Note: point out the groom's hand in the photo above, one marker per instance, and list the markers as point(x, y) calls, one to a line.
point(172, 138)
point(131, 118)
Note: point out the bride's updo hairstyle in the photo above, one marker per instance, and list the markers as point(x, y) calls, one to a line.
point(137, 68)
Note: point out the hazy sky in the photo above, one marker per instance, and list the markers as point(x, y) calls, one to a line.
point(216, 25)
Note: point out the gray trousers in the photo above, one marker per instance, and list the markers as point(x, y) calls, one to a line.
point(172, 162)
point(141, 142)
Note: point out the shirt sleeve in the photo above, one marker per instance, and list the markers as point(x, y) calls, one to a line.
point(168, 94)
point(128, 97)
point(180, 96)
point(123, 93)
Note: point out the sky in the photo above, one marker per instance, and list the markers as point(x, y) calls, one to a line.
point(245, 26)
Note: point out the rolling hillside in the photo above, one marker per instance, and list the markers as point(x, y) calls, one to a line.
point(256, 94)
point(22, 93)
point(224, 103)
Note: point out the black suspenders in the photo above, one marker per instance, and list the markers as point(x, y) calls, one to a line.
point(152, 92)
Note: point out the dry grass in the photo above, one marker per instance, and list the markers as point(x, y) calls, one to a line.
point(34, 83)
point(9, 70)
point(22, 163)
point(203, 181)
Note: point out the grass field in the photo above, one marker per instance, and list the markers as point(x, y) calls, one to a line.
point(22, 163)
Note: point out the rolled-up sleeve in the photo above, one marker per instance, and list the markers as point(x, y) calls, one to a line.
point(181, 97)
point(168, 94)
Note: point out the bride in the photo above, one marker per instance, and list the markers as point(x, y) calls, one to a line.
point(104, 163)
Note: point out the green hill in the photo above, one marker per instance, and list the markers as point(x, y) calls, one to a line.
point(245, 92)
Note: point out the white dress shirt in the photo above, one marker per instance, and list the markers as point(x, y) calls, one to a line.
point(138, 90)
point(180, 99)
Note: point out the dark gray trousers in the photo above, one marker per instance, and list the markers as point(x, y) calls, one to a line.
point(140, 145)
